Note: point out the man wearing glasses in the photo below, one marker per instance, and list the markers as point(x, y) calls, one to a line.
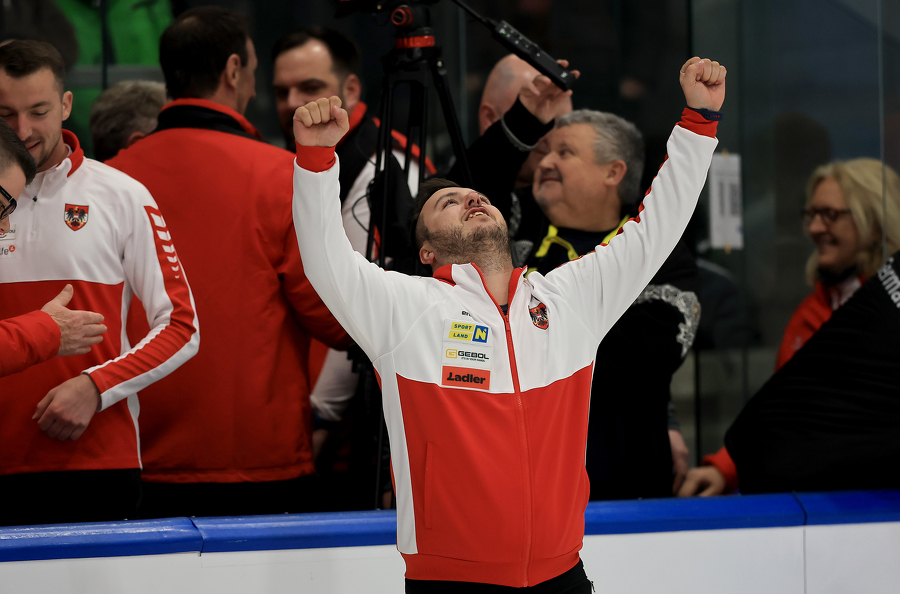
point(69, 425)
point(34, 337)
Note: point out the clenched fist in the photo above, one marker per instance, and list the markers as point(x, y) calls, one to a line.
point(703, 83)
point(320, 123)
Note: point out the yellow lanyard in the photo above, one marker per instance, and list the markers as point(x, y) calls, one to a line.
point(554, 238)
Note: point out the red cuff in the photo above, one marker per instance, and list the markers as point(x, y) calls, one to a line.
point(315, 158)
point(697, 124)
point(723, 462)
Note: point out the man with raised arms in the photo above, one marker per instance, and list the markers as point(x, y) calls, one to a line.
point(489, 474)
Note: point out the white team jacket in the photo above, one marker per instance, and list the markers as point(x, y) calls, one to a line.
point(92, 226)
point(487, 413)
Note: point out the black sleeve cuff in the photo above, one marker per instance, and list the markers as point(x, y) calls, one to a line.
point(523, 125)
point(712, 116)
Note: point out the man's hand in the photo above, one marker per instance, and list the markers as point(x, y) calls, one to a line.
point(544, 100)
point(79, 329)
point(320, 123)
point(704, 481)
point(66, 410)
point(703, 83)
point(679, 459)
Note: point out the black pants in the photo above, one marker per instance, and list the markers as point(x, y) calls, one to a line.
point(573, 581)
point(173, 500)
point(72, 496)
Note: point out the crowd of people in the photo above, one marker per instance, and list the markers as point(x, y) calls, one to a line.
point(553, 281)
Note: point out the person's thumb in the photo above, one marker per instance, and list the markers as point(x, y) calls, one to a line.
point(63, 298)
point(689, 487)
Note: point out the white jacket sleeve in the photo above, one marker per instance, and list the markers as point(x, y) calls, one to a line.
point(375, 307)
point(155, 274)
point(603, 284)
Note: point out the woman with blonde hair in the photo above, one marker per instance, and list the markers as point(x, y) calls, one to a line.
point(852, 215)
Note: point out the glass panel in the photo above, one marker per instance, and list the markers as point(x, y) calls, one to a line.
point(802, 91)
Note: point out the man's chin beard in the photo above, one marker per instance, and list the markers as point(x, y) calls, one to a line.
point(486, 246)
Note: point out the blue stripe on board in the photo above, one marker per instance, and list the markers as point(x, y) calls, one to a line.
point(346, 529)
point(102, 539)
point(301, 531)
point(695, 513)
point(851, 507)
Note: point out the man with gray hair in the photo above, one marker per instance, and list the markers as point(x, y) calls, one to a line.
point(588, 186)
point(123, 114)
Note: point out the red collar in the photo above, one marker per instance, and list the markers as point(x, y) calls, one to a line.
point(445, 273)
point(77, 156)
point(356, 119)
point(245, 124)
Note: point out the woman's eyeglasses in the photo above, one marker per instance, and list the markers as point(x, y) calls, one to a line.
point(828, 215)
point(7, 203)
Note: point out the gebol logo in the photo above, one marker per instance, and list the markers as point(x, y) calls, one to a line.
point(466, 355)
point(465, 377)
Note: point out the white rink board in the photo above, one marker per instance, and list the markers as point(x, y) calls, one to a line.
point(753, 560)
point(746, 561)
point(845, 558)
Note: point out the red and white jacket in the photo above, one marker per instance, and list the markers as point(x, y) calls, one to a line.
point(89, 225)
point(487, 413)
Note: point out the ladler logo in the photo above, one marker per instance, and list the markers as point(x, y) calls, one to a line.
point(468, 378)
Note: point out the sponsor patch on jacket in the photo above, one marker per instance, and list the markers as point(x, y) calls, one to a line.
point(8, 235)
point(539, 316)
point(76, 216)
point(467, 331)
point(465, 377)
point(8, 251)
point(458, 354)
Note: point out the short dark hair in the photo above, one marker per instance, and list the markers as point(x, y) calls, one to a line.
point(194, 50)
point(418, 234)
point(13, 152)
point(22, 58)
point(125, 108)
point(344, 53)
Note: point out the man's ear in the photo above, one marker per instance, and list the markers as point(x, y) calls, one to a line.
point(426, 255)
point(615, 173)
point(232, 71)
point(66, 105)
point(352, 92)
point(487, 115)
point(133, 137)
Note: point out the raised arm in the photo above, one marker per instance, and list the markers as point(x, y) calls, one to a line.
point(374, 306)
point(603, 284)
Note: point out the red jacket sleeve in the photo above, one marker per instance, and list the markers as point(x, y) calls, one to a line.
point(27, 340)
point(722, 460)
point(806, 321)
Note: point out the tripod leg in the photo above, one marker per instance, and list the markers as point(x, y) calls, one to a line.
point(439, 74)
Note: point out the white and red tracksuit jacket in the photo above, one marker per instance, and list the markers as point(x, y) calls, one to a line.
point(89, 225)
point(487, 413)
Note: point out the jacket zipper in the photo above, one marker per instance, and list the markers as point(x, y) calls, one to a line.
point(523, 444)
point(523, 441)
